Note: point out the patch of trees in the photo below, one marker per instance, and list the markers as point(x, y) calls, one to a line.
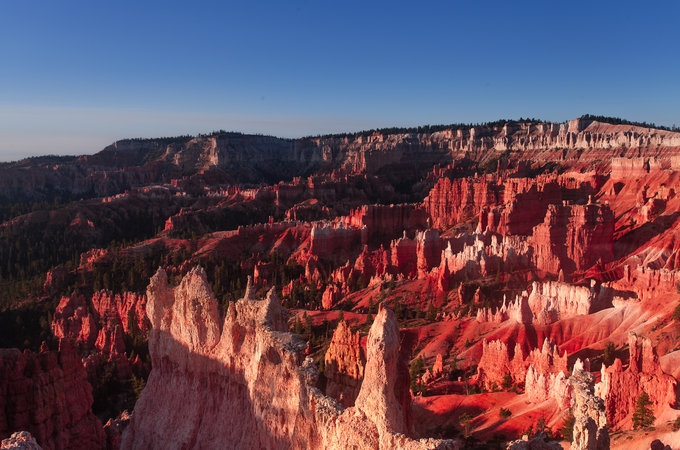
point(27, 253)
point(27, 256)
point(27, 327)
point(620, 121)
point(427, 129)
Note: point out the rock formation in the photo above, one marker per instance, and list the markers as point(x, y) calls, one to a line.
point(620, 388)
point(541, 386)
point(497, 364)
point(249, 372)
point(573, 238)
point(344, 365)
point(538, 442)
point(381, 223)
point(21, 440)
point(590, 426)
point(553, 301)
point(461, 219)
point(101, 324)
point(494, 364)
point(47, 394)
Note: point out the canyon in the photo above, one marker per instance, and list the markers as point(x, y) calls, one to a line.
point(508, 284)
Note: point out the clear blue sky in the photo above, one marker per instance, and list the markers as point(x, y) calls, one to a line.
point(78, 75)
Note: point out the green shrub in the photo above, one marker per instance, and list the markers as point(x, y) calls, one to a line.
point(568, 426)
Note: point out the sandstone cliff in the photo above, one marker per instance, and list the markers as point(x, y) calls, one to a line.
point(249, 372)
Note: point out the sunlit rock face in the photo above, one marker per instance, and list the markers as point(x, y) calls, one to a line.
point(497, 364)
point(244, 382)
point(620, 388)
point(590, 426)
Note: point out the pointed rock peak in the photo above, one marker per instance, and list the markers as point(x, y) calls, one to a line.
point(195, 314)
point(578, 365)
point(274, 315)
point(547, 346)
point(342, 327)
point(197, 271)
point(378, 397)
point(249, 294)
point(160, 278)
point(231, 312)
point(195, 283)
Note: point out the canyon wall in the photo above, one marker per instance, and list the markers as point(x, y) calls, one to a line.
point(241, 158)
point(47, 394)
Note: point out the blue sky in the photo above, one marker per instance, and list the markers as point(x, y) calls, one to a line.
point(78, 75)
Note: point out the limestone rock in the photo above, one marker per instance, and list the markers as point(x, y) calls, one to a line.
point(539, 371)
point(381, 396)
point(573, 238)
point(98, 325)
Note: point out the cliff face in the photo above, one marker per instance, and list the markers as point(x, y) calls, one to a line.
point(47, 394)
point(248, 372)
point(244, 158)
point(573, 238)
point(344, 365)
point(620, 388)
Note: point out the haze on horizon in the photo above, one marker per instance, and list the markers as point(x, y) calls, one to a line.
point(81, 75)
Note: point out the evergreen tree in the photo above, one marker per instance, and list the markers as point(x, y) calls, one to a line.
point(568, 426)
point(643, 416)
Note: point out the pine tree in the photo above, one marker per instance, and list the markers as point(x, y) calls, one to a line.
point(568, 426)
point(643, 416)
